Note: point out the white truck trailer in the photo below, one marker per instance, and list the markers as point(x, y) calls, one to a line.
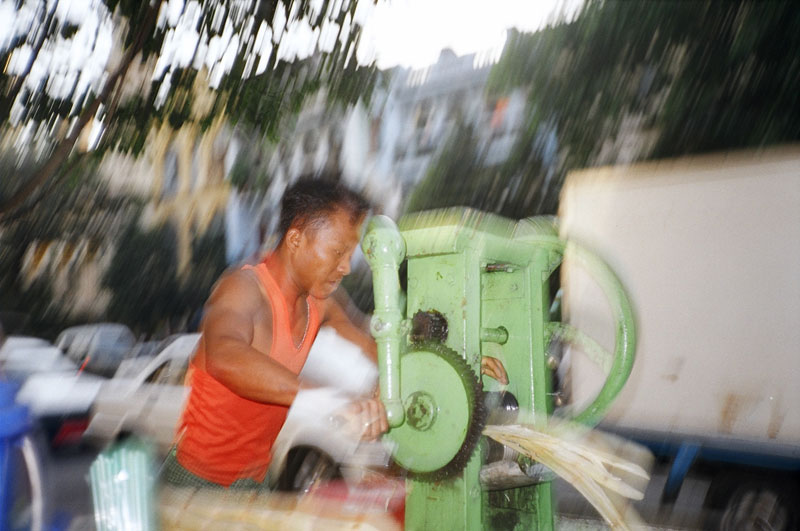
point(708, 248)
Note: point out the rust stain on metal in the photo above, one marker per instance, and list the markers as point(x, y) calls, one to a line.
point(673, 374)
point(731, 407)
point(777, 414)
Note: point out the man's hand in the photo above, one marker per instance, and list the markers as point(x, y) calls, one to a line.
point(493, 368)
point(367, 416)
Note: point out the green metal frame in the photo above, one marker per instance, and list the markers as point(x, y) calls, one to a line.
point(489, 276)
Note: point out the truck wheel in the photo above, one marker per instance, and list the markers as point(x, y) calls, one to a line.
point(762, 505)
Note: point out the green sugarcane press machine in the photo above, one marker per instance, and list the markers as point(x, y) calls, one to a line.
point(476, 284)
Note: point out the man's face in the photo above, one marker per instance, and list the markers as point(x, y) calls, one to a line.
point(323, 254)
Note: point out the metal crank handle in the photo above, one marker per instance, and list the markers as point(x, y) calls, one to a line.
point(385, 249)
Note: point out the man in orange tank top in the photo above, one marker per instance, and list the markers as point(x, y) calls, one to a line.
point(258, 327)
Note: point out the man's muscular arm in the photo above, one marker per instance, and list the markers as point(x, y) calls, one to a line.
point(336, 317)
point(228, 331)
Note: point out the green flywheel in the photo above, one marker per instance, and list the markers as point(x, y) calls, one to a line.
point(444, 413)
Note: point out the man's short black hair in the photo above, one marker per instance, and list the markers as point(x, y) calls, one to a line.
point(309, 200)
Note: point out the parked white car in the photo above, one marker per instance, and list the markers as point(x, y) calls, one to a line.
point(61, 401)
point(145, 396)
point(21, 356)
point(99, 348)
point(56, 392)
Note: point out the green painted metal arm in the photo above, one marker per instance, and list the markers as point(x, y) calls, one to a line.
point(567, 333)
point(625, 343)
point(385, 249)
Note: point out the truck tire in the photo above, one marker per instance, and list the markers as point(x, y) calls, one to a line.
point(755, 503)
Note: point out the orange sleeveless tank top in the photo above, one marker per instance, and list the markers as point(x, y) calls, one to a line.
point(223, 437)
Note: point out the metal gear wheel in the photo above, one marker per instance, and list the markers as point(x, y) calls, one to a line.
point(444, 412)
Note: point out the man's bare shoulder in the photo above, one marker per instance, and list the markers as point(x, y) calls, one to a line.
point(237, 307)
point(239, 290)
point(237, 317)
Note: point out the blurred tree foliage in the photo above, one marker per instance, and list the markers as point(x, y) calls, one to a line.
point(143, 278)
point(41, 192)
point(696, 76)
point(208, 263)
point(72, 209)
point(259, 101)
point(147, 294)
point(460, 177)
point(250, 170)
point(708, 75)
point(445, 184)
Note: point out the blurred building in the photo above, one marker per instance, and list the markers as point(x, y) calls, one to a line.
point(387, 147)
point(329, 139)
point(423, 107)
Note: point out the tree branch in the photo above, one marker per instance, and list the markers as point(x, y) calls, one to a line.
point(64, 147)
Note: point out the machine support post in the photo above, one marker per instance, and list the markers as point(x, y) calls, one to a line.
point(385, 249)
point(538, 274)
